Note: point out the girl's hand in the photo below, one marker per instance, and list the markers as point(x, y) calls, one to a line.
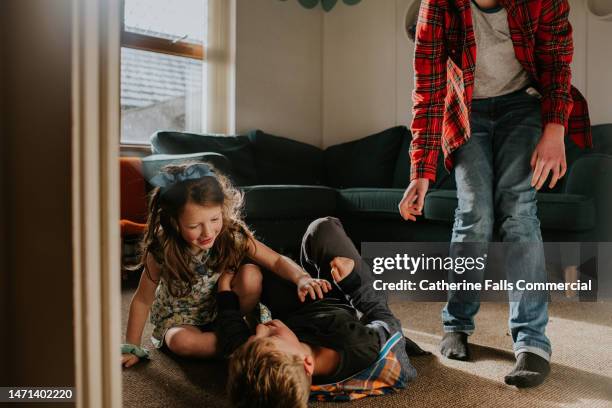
point(225, 281)
point(128, 360)
point(307, 285)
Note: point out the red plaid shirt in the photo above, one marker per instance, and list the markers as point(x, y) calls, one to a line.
point(444, 65)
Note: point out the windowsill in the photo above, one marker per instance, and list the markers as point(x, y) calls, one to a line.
point(134, 149)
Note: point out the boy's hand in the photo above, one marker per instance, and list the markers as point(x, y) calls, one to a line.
point(316, 288)
point(128, 360)
point(224, 283)
point(341, 267)
point(549, 156)
point(414, 198)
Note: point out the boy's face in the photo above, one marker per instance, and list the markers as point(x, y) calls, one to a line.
point(283, 338)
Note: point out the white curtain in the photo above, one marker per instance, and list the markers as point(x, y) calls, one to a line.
point(219, 69)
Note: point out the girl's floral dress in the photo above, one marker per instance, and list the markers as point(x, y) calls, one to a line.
point(197, 308)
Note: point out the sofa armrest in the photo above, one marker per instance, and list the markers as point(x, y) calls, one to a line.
point(591, 175)
point(151, 165)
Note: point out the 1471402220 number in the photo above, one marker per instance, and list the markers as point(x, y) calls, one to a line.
point(8, 394)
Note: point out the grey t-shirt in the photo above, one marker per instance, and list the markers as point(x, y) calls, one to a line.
point(498, 71)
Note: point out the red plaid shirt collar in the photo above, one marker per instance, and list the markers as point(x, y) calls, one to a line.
point(444, 64)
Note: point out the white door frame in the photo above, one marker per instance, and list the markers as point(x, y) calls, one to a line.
point(95, 188)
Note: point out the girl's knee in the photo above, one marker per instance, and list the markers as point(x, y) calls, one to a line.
point(180, 341)
point(188, 343)
point(248, 278)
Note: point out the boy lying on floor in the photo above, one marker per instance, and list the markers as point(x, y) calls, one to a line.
point(320, 341)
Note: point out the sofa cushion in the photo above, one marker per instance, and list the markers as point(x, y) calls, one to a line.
point(602, 138)
point(371, 203)
point(367, 162)
point(237, 149)
point(289, 201)
point(284, 161)
point(590, 176)
point(569, 212)
point(401, 173)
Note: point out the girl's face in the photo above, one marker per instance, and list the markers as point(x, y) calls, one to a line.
point(200, 225)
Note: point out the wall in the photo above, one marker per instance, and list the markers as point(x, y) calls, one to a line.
point(279, 69)
point(366, 78)
point(359, 70)
point(595, 64)
point(36, 134)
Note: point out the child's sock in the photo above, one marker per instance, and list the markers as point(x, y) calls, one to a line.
point(530, 370)
point(413, 349)
point(454, 345)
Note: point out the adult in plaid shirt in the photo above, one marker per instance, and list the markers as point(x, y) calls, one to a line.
point(493, 92)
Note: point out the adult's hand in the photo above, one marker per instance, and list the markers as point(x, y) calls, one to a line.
point(414, 199)
point(549, 156)
point(307, 285)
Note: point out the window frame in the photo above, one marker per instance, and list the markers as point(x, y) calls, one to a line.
point(156, 44)
point(150, 43)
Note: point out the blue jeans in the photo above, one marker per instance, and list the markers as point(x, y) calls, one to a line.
point(494, 191)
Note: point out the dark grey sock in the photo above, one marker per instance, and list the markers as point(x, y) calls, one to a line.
point(530, 370)
point(413, 349)
point(454, 345)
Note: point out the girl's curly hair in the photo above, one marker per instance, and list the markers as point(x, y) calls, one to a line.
point(162, 233)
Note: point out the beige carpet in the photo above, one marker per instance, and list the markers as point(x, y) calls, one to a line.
point(581, 334)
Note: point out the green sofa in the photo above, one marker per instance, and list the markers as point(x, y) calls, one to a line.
point(288, 184)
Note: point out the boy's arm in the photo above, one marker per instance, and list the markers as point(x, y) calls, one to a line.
point(430, 60)
point(554, 50)
point(232, 331)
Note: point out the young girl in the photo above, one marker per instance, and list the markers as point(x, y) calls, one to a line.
point(194, 233)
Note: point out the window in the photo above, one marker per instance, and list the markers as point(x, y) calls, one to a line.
point(162, 67)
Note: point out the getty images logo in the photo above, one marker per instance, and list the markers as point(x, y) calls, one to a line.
point(412, 264)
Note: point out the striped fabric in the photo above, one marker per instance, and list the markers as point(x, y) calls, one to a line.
point(444, 64)
point(382, 377)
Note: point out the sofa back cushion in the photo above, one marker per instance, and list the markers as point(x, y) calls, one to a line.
point(367, 162)
point(602, 138)
point(237, 149)
point(279, 160)
point(602, 144)
point(401, 173)
point(572, 153)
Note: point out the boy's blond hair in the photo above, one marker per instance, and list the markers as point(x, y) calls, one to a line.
point(262, 376)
